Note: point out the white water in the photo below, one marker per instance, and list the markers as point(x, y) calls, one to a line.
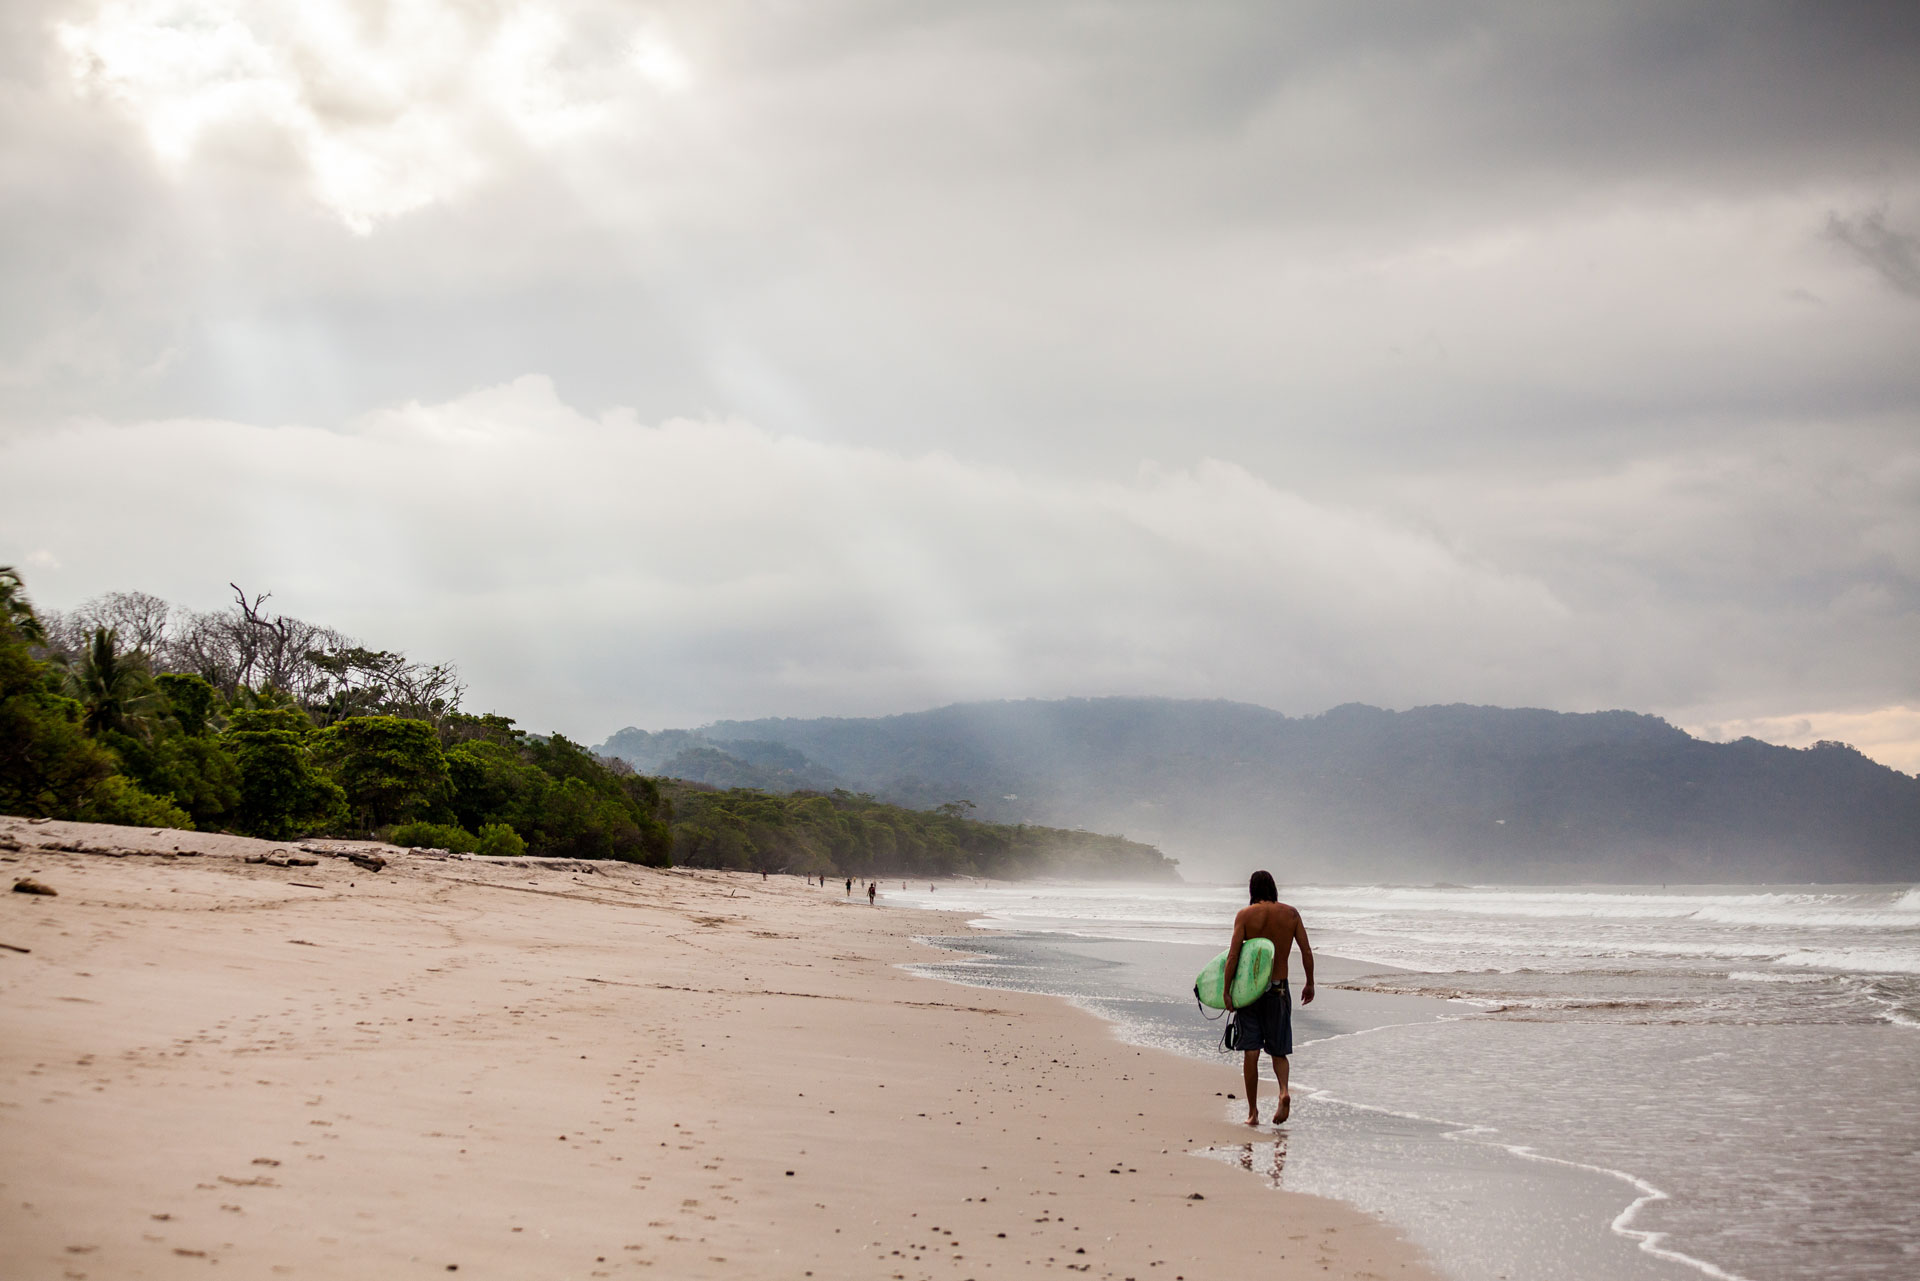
point(1864, 930)
point(1743, 1063)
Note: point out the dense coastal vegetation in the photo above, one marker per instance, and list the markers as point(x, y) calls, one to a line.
point(842, 834)
point(129, 710)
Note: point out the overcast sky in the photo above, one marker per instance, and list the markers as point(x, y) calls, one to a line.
point(660, 363)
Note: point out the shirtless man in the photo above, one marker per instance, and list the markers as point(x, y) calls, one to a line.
point(1268, 1023)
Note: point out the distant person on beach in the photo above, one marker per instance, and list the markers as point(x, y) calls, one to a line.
point(1267, 1024)
point(873, 888)
point(849, 887)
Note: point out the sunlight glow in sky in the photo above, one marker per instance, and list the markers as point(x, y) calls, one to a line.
point(387, 115)
point(660, 362)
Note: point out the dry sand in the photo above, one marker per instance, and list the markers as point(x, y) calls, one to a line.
point(211, 1067)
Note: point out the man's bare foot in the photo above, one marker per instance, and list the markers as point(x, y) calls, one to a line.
point(1253, 1118)
point(1282, 1112)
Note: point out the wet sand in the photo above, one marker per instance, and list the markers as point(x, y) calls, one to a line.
point(215, 1067)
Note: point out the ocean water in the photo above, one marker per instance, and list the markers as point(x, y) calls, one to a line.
point(1544, 1083)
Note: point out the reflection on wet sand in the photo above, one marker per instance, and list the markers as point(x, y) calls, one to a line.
point(1268, 1160)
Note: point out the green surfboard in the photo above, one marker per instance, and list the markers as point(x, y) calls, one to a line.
point(1256, 969)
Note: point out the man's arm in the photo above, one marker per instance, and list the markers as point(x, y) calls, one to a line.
point(1233, 954)
point(1306, 958)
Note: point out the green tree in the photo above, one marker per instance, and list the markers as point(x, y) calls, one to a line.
point(593, 812)
point(48, 764)
point(391, 769)
point(283, 791)
point(16, 611)
point(439, 836)
point(493, 782)
point(562, 799)
point(118, 799)
point(497, 840)
point(464, 727)
point(840, 833)
point(114, 688)
point(181, 758)
point(196, 772)
point(190, 699)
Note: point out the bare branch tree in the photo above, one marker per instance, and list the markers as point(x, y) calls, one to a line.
point(138, 619)
point(247, 650)
point(209, 646)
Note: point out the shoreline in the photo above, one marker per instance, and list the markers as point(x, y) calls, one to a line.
point(1609, 1199)
point(507, 1068)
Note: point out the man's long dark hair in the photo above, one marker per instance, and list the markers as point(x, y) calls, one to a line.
point(1260, 888)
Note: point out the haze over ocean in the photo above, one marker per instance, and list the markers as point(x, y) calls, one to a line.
point(1535, 1082)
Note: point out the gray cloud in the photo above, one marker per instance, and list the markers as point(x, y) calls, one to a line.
point(699, 567)
point(600, 569)
point(1038, 230)
point(1894, 254)
point(1519, 287)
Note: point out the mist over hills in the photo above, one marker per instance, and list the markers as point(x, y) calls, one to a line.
point(1451, 792)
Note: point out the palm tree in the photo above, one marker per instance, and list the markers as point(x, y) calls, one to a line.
point(115, 689)
point(15, 610)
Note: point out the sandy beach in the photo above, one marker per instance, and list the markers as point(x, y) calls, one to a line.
point(574, 1070)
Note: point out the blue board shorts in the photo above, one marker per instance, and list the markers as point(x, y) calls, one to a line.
point(1267, 1024)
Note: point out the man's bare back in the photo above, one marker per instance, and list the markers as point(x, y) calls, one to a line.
point(1280, 924)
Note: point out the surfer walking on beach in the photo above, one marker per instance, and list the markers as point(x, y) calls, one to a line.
point(1267, 1024)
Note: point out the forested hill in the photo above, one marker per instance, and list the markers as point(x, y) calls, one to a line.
point(1456, 792)
point(840, 834)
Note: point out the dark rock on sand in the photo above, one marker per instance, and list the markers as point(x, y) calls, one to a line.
point(27, 885)
point(280, 858)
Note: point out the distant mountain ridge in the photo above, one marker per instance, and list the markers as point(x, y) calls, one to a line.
point(699, 758)
point(1461, 792)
